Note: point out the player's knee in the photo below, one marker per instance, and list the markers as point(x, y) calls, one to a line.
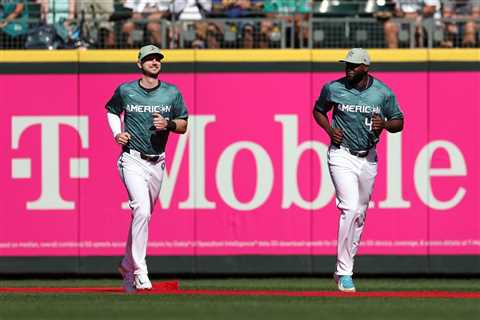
point(140, 211)
point(133, 205)
point(142, 215)
point(360, 220)
point(347, 208)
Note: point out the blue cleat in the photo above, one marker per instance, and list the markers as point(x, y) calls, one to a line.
point(345, 283)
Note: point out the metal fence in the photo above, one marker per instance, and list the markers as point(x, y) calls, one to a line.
point(285, 31)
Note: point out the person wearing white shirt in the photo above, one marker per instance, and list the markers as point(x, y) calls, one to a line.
point(190, 13)
point(151, 10)
point(414, 11)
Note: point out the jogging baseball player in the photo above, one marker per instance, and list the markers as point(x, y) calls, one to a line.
point(151, 110)
point(362, 107)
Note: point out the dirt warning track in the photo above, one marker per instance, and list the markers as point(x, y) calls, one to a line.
point(173, 288)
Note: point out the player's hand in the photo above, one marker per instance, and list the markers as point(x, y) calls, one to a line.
point(159, 122)
point(378, 123)
point(3, 23)
point(336, 135)
point(123, 138)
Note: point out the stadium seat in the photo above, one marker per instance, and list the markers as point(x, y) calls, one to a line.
point(336, 8)
point(34, 14)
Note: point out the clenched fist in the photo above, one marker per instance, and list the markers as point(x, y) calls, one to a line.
point(378, 123)
point(336, 135)
point(123, 138)
point(159, 122)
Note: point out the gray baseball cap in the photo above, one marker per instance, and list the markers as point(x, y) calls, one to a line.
point(148, 50)
point(357, 56)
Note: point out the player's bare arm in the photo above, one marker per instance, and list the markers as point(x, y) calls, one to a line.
point(394, 125)
point(335, 134)
point(180, 126)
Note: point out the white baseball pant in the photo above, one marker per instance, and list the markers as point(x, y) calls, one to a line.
point(353, 178)
point(143, 180)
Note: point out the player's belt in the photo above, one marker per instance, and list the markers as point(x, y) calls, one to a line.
point(149, 157)
point(357, 153)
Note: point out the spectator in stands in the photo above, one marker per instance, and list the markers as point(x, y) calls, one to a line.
point(239, 8)
point(414, 11)
point(97, 26)
point(296, 12)
point(62, 14)
point(244, 30)
point(54, 11)
point(149, 12)
point(214, 31)
point(243, 9)
point(464, 32)
point(191, 12)
point(13, 23)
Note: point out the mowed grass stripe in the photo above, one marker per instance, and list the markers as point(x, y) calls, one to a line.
point(108, 306)
point(120, 306)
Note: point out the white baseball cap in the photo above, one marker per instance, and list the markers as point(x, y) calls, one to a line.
point(148, 50)
point(357, 56)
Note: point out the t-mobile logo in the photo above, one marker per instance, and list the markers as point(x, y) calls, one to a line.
point(50, 197)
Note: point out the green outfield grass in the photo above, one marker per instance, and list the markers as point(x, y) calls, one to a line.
point(119, 306)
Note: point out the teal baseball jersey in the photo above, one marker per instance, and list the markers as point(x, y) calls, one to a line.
point(353, 110)
point(19, 25)
point(287, 6)
point(138, 106)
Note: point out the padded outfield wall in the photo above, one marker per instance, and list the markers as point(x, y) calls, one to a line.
point(247, 189)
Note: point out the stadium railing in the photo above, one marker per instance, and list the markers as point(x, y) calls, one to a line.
point(330, 24)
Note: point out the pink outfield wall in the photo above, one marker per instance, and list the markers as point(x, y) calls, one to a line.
point(248, 178)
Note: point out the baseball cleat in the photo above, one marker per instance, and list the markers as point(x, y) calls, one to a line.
point(142, 282)
point(345, 283)
point(128, 280)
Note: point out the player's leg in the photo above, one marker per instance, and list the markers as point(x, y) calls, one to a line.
point(135, 178)
point(366, 182)
point(127, 261)
point(155, 182)
point(126, 266)
point(154, 174)
point(343, 170)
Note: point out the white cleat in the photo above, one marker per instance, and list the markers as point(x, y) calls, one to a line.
point(142, 282)
point(128, 280)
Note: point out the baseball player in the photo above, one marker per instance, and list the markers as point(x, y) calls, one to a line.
point(151, 110)
point(362, 107)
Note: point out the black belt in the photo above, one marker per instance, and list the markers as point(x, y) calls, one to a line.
point(356, 153)
point(359, 153)
point(151, 158)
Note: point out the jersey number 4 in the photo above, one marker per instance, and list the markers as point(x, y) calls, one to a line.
point(368, 122)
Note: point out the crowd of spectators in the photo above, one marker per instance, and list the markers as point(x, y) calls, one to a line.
point(458, 20)
point(224, 23)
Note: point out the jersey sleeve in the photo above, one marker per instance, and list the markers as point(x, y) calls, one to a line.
point(179, 108)
point(323, 104)
point(392, 109)
point(115, 104)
